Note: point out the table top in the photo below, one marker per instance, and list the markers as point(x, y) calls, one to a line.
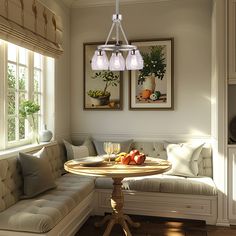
point(151, 166)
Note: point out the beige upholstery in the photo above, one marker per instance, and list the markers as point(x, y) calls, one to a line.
point(196, 186)
point(205, 166)
point(157, 149)
point(152, 149)
point(164, 184)
point(56, 160)
point(10, 182)
point(42, 213)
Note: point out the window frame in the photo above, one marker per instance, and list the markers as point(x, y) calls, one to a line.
point(29, 94)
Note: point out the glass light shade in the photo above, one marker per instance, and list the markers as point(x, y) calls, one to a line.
point(117, 62)
point(99, 61)
point(134, 60)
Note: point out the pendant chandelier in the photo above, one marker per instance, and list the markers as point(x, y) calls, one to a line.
point(134, 60)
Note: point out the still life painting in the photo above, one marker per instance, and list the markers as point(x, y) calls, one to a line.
point(152, 87)
point(102, 89)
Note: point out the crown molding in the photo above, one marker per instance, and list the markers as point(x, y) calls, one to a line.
point(100, 3)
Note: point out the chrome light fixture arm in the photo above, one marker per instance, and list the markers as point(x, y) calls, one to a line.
point(134, 60)
point(116, 19)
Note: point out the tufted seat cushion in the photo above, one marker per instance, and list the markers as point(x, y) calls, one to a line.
point(42, 213)
point(164, 184)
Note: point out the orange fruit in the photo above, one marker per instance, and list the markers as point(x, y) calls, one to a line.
point(146, 93)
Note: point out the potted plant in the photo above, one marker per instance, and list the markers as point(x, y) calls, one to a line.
point(27, 110)
point(102, 97)
point(154, 66)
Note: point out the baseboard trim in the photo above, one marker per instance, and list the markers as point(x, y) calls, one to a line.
point(224, 223)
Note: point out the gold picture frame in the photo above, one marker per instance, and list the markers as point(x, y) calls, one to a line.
point(153, 86)
point(102, 89)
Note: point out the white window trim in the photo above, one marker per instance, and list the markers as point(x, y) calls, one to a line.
point(46, 105)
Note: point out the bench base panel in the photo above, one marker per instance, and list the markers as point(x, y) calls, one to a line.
point(183, 206)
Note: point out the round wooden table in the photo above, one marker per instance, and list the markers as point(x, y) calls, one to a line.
point(118, 172)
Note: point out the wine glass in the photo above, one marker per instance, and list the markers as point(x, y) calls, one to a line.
point(108, 148)
point(116, 148)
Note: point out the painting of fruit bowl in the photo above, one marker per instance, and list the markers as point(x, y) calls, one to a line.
point(102, 89)
point(152, 87)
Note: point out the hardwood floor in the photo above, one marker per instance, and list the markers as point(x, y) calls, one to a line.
point(154, 226)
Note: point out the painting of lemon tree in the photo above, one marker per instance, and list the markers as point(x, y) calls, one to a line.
point(152, 87)
point(102, 89)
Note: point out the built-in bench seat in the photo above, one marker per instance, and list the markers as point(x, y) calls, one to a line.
point(42, 213)
point(166, 195)
point(62, 210)
point(59, 211)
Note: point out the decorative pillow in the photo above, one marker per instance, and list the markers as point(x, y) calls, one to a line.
point(184, 159)
point(89, 144)
point(36, 172)
point(124, 146)
point(74, 152)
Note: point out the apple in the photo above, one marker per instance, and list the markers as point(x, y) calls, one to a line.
point(139, 159)
point(125, 159)
point(133, 153)
point(132, 162)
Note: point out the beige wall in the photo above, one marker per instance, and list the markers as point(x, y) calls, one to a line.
point(189, 22)
point(62, 73)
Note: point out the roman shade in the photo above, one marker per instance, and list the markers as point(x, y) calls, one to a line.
point(30, 24)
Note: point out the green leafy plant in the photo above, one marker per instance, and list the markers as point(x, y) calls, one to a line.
point(27, 110)
point(154, 64)
point(109, 78)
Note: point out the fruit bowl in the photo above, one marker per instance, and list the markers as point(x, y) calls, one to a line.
point(134, 157)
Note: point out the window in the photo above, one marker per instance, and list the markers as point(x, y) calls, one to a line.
point(22, 75)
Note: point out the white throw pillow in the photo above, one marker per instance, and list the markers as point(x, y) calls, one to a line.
point(184, 158)
point(75, 152)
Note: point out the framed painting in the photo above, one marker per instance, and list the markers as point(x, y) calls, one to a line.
point(102, 89)
point(153, 86)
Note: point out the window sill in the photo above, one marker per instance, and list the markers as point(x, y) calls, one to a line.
point(26, 148)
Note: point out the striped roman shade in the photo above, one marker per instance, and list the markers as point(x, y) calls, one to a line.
point(30, 24)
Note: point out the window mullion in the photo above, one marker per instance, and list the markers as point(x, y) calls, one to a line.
point(2, 95)
point(31, 76)
point(17, 97)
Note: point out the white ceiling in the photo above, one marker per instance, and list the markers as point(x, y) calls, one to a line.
point(92, 3)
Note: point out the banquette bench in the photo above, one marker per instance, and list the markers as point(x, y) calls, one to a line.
point(63, 209)
point(165, 195)
point(60, 211)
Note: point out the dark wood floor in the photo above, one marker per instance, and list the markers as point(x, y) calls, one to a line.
point(154, 226)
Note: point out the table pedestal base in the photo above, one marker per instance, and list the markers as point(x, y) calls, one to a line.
point(117, 216)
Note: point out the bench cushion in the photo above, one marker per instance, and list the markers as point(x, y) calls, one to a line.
point(164, 184)
point(42, 213)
